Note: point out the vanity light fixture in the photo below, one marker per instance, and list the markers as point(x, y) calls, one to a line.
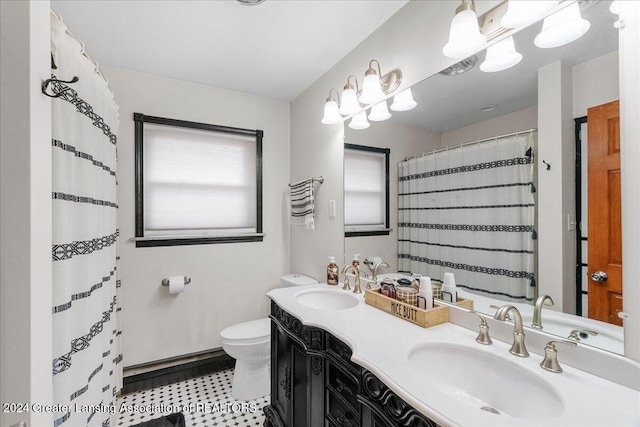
point(521, 13)
point(374, 90)
point(359, 121)
point(562, 27)
point(403, 101)
point(331, 115)
point(379, 112)
point(350, 105)
point(464, 35)
point(500, 56)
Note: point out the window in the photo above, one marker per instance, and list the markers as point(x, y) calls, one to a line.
point(366, 190)
point(196, 183)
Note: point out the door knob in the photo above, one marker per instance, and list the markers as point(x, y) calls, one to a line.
point(599, 276)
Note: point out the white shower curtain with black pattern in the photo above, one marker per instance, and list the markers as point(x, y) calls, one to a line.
point(86, 331)
point(470, 210)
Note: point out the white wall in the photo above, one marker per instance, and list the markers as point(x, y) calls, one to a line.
point(595, 82)
point(410, 40)
point(556, 187)
point(630, 166)
point(404, 141)
point(25, 203)
point(513, 122)
point(228, 281)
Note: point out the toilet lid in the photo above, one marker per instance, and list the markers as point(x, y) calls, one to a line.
point(248, 331)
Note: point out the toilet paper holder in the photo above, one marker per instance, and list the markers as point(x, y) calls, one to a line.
point(187, 280)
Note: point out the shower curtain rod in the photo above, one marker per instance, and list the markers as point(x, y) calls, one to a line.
point(478, 141)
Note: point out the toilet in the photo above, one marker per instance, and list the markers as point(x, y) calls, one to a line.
point(250, 344)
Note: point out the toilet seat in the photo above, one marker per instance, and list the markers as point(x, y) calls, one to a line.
point(253, 331)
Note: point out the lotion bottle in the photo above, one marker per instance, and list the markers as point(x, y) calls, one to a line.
point(332, 272)
point(426, 292)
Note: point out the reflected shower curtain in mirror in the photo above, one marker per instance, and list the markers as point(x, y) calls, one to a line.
point(85, 313)
point(470, 210)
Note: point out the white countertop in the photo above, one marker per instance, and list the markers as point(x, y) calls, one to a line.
point(382, 343)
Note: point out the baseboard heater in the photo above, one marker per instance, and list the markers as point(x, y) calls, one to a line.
point(208, 362)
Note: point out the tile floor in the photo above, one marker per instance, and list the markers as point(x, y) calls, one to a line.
point(205, 402)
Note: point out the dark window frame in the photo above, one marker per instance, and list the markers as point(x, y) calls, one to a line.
point(387, 153)
point(140, 119)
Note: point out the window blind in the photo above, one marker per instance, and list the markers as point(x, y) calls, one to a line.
point(364, 190)
point(198, 182)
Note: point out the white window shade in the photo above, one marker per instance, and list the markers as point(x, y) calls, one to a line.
point(364, 190)
point(198, 182)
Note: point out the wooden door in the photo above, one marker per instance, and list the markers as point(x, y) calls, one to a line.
point(604, 213)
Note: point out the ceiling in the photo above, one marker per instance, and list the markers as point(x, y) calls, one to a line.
point(448, 103)
point(276, 49)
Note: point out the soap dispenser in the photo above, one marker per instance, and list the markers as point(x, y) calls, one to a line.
point(332, 272)
point(356, 261)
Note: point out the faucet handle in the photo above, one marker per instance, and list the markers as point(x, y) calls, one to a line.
point(483, 335)
point(550, 362)
point(346, 286)
point(368, 281)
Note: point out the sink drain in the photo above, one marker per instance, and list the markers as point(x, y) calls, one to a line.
point(490, 409)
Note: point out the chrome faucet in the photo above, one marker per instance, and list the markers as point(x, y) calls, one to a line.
point(356, 272)
point(375, 270)
point(517, 348)
point(550, 362)
point(537, 310)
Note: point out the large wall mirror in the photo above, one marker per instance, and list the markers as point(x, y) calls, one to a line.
point(468, 119)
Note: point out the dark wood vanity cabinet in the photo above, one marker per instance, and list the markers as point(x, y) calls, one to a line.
point(314, 383)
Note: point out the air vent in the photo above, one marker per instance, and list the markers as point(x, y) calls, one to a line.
point(460, 67)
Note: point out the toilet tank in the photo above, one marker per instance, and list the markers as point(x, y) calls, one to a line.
point(296, 280)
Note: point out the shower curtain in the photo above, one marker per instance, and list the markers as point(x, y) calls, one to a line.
point(470, 210)
point(86, 330)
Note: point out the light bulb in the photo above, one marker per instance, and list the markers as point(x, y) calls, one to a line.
point(403, 101)
point(350, 104)
point(359, 121)
point(501, 56)
point(562, 27)
point(331, 116)
point(464, 36)
point(371, 89)
point(379, 112)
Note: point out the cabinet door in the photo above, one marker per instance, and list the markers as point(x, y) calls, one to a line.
point(281, 372)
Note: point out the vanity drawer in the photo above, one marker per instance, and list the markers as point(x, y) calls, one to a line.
point(339, 349)
point(339, 413)
point(342, 384)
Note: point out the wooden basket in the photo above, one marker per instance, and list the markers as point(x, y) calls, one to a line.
point(421, 317)
point(464, 302)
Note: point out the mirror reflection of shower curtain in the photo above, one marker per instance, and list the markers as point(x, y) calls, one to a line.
point(86, 331)
point(470, 210)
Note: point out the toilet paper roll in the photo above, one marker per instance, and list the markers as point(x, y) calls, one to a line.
point(376, 259)
point(176, 284)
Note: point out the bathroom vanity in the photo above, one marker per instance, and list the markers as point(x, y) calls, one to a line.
point(315, 383)
point(336, 361)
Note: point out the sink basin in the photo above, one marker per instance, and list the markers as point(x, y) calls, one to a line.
point(325, 299)
point(609, 337)
point(484, 381)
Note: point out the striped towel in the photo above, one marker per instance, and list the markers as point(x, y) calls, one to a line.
point(302, 204)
